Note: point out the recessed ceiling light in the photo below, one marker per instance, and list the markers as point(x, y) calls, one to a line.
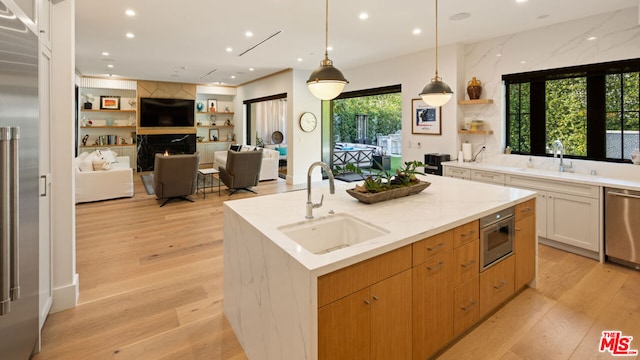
point(417, 31)
point(591, 38)
point(523, 62)
point(130, 12)
point(498, 55)
point(521, 1)
point(460, 16)
point(229, 49)
point(110, 66)
point(233, 76)
point(251, 69)
point(299, 59)
point(130, 35)
point(363, 16)
point(104, 53)
point(248, 34)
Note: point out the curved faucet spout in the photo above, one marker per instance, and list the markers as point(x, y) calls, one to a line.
point(332, 189)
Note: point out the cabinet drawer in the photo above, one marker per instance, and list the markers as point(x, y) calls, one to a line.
point(343, 282)
point(466, 262)
point(466, 305)
point(432, 246)
point(564, 187)
point(466, 233)
point(496, 285)
point(525, 209)
point(457, 173)
point(489, 177)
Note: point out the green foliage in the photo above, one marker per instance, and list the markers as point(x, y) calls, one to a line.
point(384, 180)
point(566, 114)
point(385, 115)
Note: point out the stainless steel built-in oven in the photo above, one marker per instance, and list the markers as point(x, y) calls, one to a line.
point(496, 237)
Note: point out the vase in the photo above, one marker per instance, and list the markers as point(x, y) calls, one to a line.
point(200, 106)
point(474, 89)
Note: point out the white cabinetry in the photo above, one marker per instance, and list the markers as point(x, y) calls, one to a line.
point(487, 177)
point(458, 173)
point(567, 213)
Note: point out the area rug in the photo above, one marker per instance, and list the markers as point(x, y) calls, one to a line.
point(147, 181)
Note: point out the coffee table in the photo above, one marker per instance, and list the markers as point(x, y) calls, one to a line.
point(212, 174)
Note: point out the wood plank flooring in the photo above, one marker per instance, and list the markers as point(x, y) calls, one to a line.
point(151, 288)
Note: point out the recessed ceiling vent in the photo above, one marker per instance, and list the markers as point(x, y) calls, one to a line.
point(261, 42)
point(209, 73)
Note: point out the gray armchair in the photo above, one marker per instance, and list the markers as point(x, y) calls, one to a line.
point(242, 170)
point(175, 176)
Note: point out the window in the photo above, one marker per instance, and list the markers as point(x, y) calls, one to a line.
point(593, 109)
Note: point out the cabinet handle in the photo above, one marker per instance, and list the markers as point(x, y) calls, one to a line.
point(367, 301)
point(466, 266)
point(440, 245)
point(375, 298)
point(465, 308)
point(502, 284)
point(470, 233)
point(436, 267)
point(518, 229)
point(527, 210)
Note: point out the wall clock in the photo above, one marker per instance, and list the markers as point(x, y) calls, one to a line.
point(308, 122)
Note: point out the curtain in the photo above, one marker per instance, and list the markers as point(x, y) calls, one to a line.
point(271, 116)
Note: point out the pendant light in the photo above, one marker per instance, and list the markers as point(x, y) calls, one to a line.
point(326, 82)
point(436, 93)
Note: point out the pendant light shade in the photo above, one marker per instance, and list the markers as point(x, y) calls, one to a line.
point(436, 93)
point(326, 82)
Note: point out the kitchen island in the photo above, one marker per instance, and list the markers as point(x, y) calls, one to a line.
point(285, 302)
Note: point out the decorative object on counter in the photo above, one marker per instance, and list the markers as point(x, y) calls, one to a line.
point(437, 92)
point(212, 105)
point(635, 157)
point(476, 125)
point(382, 185)
point(227, 122)
point(427, 120)
point(109, 102)
point(474, 89)
point(199, 138)
point(199, 106)
point(507, 150)
point(84, 140)
point(88, 104)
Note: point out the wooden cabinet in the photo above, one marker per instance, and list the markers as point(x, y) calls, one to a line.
point(365, 309)
point(525, 243)
point(432, 305)
point(496, 285)
point(466, 305)
point(467, 262)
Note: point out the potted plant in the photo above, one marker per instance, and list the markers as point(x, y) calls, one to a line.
point(383, 185)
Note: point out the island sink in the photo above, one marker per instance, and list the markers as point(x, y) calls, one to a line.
point(330, 233)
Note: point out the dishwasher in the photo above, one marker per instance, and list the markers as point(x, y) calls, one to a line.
point(622, 226)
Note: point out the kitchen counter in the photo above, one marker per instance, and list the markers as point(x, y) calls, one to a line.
point(270, 282)
point(577, 178)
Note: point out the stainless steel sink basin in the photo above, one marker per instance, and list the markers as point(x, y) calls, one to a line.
point(331, 233)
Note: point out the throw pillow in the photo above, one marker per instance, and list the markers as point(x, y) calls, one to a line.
point(236, 147)
point(282, 151)
point(108, 155)
point(85, 165)
point(99, 165)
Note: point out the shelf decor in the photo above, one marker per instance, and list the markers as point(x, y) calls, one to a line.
point(213, 134)
point(110, 102)
point(212, 105)
point(425, 119)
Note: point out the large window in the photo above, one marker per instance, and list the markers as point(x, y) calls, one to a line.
point(593, 109)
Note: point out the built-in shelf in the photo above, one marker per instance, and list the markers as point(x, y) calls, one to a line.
point(107, 110)
point(108, 127)
point(475, 102)
point(215, 113)
point(476, 132)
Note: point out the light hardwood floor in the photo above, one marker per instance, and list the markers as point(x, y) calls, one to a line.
point(151, 288)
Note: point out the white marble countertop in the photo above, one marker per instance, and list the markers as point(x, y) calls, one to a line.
point(551, 175)
point(446, 204)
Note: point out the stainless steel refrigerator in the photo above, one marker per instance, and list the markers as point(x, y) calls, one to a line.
point(18, 187)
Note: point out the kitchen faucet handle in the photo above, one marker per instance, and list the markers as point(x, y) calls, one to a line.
point(315, 206)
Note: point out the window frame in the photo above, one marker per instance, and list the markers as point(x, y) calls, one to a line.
point(595, 75)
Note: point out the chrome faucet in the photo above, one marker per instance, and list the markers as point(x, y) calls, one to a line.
point(332, 188)
point(558, 147)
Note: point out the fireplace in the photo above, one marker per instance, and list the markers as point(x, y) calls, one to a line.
point(150, 145)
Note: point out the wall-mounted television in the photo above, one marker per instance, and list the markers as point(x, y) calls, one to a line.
point(166, 112)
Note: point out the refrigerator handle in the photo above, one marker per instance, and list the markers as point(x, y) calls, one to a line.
point(5, 265)
point(14, 178)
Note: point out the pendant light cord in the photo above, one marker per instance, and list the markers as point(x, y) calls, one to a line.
point(326, 31)
point(437, 77)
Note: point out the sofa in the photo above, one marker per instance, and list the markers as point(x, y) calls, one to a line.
point(101, 175)
point(270, 159)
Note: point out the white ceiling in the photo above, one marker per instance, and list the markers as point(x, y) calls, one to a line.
point(183, 43)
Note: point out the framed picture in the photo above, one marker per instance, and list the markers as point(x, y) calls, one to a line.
point(212, 105)
point(213, 134)
point(110, 102)
point(425, 119)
